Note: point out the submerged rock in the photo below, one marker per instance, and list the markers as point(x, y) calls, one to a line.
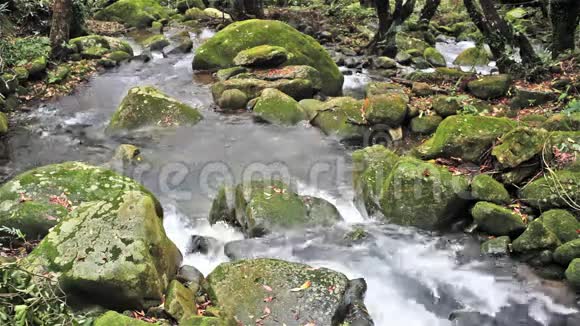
point(146, 106)
point(497, 220)
point(220, 50)
point(276, 107)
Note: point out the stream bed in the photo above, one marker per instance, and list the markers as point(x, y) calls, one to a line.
point(414, 278)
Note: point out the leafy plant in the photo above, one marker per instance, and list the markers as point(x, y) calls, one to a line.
point(572, 107)
point(21, 50)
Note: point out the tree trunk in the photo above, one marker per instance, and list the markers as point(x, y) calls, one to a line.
point(564, 15)
point(60, 27)
point(384, 42)
point(429, 10)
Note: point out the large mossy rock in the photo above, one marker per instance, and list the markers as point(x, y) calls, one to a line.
point(96, 46)
point(490, 87)
point(36, 200)
point(261, 207)
point(278, 108)
point(390, 109)
point(536, 238)
point(497, 220)
point(112, 253)
point(567, 252)
point(423, 194)
point(562, 223)
point(371, 167)
point(466, 137)
point(252, 87)
point(341, 117)
point(446, 105)
point(519, 145)
point(113, 318)
point(381, 88)
point(241, 287)
point(434, 57)
point(261, 56)
point(146, 106)
point(220, 51)
point(553, 190)
point(486, 188)
point(426, 124)
point(179, 301)
point(155, 42)
point(573, 273)
point(471, 57)
point(134, 13)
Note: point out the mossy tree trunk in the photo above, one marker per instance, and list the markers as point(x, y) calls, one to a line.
point(60, 27)
point(429, 10)
point(384, 42)
point(564, 15)
point(502, 39)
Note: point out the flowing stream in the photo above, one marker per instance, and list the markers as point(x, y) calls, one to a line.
point(414, 277)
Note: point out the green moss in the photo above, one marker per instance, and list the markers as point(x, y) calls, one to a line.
point(567, 252)
point(497, 220)
point(21, 73)
point(434, 57)
point(205, 321)
point(179, 301)
point(446, 105)
point(519, 145)
point(134, 13)
point(227, 73)
point(422, 194)
point(573, 273)
point(119, 56)
point(146, 106)
point(553, 190)
point(562, 223)
point(341, 117)
point(113, 318)
point(537, 237)
point(310, 107)
point(3, 123)
point(58, 75)
point(155, 42)
point(252, 87)
point(441, 74)
point(100, 44)
point(220, 50)
point(486, 188)
point(426, 124)
point(467, 137)
point(475, 56)
point(490, 87)
point(37, 67)
point(563, 122)
point(276, 107)
point(233, 99)
point(390, 109)
point(262, 56)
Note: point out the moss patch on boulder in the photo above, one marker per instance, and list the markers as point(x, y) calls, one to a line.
point(434, 57)
point(390, 109)
point(262, 56)
point(276, 107)
point(519, 145)
point(562, 223)
point(486, 188)
point(341, 117)
point(497, 220)
point(536, 238)
point(471, 57)
point(426, 124)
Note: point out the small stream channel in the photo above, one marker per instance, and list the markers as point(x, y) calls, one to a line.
point(414, 278)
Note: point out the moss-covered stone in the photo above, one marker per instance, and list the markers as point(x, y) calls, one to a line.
point(390, 109)
point(214, 13)
point(382, 88)
point(59, 74)
point(146, 106)
point(155, 42)
point(34, 201)
point(288, 72)
point(519, 145)
point(573, 273)
point(134, 13)
point(341, 117)
point(113, 253)
point(434, 57)
point(276, 107)
point(239, 287)
point(97, 45)
point(422, 89)
point(220, 50)
point(563, 122)
point(426, 124)
point(467, 137)
point(297, 88)
point(21, 73)
point(553, 190)
point(445, 105)
point(371, 167)
point(528, 97)
point(490, 87)
point(126, 154)
point(471, 57)
point(496, 246)
point(179, 301)
point(3, 123)
point(113, 318)
point(420, 63)
point(497, 220)
point(310, 107)
point(262, 56)
point(537, 237)
point(567, 252)
point(232, 99)
point(486, 188)
point(227, 73)
point(562, 223)
point(119, 56)
point(194, 14)
point(441, 74)
point(385, 63)
point(37, 67)
point(422, 194)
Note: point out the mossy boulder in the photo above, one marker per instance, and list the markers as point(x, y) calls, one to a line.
point(97, 45)
point(240, 288)
point(528, 97)
point(113, 318)
point(58, 75)
point(259, 207)
point(214, 13)
point(552, 190)
point(573, 273)
point(385, 63)
point(232, 99)
point(467, 137)
point(382, 88)
point(446, 105)
point(519, 145)
point(37, 67)
point(567, 252)
point(21, 73)
point(497, 220)
point(426, 124)
point(563, 122)
point(297, 88)
point(486, 188)
point(262, 56)
point(341, 117)
point(434, 57)
point(119, 56)
point(496, 247)
point(36, 200)
point(220, 50)
point(155, 42)
point(146, 106)
point(490, 87)
point(194, 14)
point(179, 301)
point(562, 223)
point(3, 123)
point(536, 238)
point(390, 109)
point(371, 167)
point(310, 107)
point(441, 74)
point(227, 73)
point(183, 5)
point(276, 107)
point(286, 73)
point(471, 57)
point(134, 13)
point(113, 253)
point(422, 194)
